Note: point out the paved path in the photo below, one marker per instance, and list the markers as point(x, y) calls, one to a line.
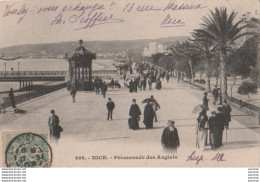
point(87, 132)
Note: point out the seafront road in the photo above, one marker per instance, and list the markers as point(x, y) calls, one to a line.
point(87, 132)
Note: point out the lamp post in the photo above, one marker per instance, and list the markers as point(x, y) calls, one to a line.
point(5, 68)
point(18, 67)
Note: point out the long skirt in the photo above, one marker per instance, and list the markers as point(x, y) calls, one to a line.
point(133, 123)
point(202, 139)
point(148, 123)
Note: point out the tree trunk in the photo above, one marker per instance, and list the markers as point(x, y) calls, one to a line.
point(223, 75)
point(207, 66)
point(191, 71)
point(231, 88)
point(208, 83)
point(220, 93)
point(216, 81)
point(178, 76)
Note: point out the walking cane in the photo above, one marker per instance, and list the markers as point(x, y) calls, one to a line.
point(197, 140)
point(226, 135)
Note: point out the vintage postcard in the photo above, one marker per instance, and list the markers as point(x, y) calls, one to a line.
point(130, 83)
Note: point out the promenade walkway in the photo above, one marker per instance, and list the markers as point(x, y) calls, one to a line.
point(87, 132)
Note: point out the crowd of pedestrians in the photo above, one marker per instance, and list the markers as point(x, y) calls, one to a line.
point(147, 75)
point(209, 130)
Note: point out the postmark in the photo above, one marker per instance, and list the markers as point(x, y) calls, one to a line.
point(28, 150)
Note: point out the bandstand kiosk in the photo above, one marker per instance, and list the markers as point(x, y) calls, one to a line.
point(80, 68)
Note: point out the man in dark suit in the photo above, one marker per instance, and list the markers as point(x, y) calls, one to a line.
point(220, 119)
point(215, 93)
point(53, 124)
point(206, 101)
point(227, 113)
point(170, 138)
point(110, 108)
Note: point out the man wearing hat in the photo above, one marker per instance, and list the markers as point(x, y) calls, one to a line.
point(110, 108)
point(156, 106)
point(227, 113)
point(205, 101)
point(53, 123)
point(170, 138)
point(212, 130)
point(220, 123)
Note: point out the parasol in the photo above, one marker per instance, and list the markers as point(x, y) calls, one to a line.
point(199, 108)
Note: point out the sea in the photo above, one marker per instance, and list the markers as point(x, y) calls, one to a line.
point(44, 65)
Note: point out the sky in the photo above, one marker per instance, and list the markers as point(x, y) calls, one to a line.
point(49, 21)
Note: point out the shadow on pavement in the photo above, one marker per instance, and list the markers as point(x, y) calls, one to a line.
point(20, 111)
point(239, 145)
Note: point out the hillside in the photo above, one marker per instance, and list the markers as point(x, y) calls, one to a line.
point(56, 50)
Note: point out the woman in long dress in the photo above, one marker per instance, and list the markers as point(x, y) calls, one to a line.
point(202, 130)
point(134, 114)
point(11, 96)
point(148, 115)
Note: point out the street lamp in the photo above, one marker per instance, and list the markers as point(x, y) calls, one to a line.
point(18, 67)
point(5, 68)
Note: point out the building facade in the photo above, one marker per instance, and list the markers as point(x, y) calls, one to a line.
point(153, 48)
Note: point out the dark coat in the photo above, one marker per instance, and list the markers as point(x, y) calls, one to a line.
point(11, 96)
point(148, 116)
point(202, 119)
point(53, 120)
point(73, 92)
point(212, 125)
point(170, 139)
point(227, 112)
point(215, 92)
point(110, 105)
point(206, 102)
point(131, 86)
point(56, 130)
point(220, 121)
point(104, 87)
point(134, 111)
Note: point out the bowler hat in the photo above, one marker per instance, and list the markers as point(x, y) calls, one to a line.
point(171, 122)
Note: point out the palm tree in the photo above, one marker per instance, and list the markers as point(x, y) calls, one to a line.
point(219, 28)
point(254, 42)
point(207, 50)
point(187, 52)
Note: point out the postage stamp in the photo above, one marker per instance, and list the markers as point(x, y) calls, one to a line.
point(130, 83)
point(27, 150)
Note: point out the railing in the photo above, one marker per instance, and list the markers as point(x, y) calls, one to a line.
point(32, 73)
point(47, 73)
point(97, 72)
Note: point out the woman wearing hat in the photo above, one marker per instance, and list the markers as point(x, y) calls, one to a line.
point(170, 138)
point(202, 130)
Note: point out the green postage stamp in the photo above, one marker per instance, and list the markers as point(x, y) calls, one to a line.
point(26, 150)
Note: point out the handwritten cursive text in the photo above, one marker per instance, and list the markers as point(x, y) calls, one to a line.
point(21, 12)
